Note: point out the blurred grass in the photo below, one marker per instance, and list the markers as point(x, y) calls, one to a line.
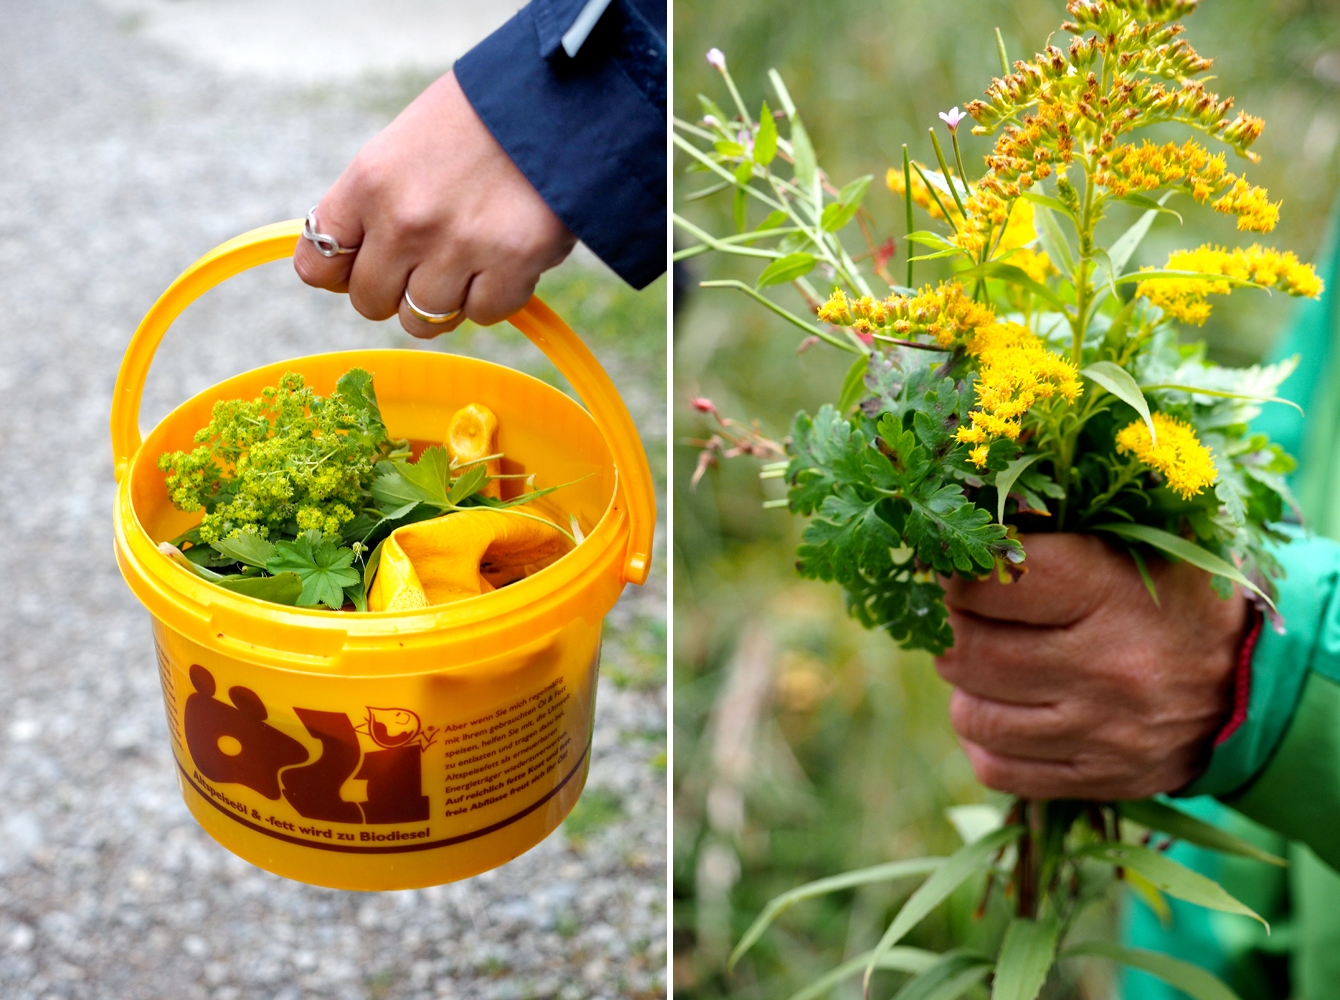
point(803, 745)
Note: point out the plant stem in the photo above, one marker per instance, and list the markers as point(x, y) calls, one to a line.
point(949, 179)
point(907, 196)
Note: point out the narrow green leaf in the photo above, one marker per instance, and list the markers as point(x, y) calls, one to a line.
point(1015, 276)
point(765, 143)
point(1192, 980)
point(853, 192)
point(740, 209)
point(1005, 479)
point(1105, 262)
point(282, 588)
point(248, 548)
point(955, 870)
point(1055, 204)
point(1182, 549)
point(783, 94)
point(1026, 955)
point(951, 252)
point(1000, 51)
point(1120, 251)
point(1172, 878)
point(357, 596)
point(710, 107)
point(727, 148)
point(708, 191)
point(853, 386)
point(1166, 274)
point(1144, 574)
point(1144, 201)
point(1053, 241)
point(1225, 395)
point(950, 977)
point(930, 239)
point(897, 960)
point(1118, 381)
point(773, 220)
point(847, 880)
point(370, 567)
point(1160, 816)
point(802, 153)
point(787, 268)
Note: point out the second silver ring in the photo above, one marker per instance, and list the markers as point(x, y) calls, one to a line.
point(429, 317)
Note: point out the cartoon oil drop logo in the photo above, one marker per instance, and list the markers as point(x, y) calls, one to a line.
point(233, 743)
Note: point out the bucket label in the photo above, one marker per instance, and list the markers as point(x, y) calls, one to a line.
point(369, 770)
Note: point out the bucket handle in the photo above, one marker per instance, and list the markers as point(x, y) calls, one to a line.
point(537, 321)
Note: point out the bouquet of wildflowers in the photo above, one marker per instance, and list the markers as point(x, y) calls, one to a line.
point(1043, 387)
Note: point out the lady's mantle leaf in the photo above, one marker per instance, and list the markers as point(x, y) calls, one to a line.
point(324, 569)
point(248, 548)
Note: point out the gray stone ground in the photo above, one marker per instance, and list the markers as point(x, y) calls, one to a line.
point(118, 165)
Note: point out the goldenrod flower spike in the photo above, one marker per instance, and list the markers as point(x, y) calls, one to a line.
point(1184, 299)
point(1185, 463)
point(461, 555)
point(1017, 370)
point(471, 435)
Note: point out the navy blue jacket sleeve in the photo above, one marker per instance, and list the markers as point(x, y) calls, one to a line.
point(588, 130)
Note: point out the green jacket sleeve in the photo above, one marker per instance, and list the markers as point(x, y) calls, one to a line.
point(1281, 765)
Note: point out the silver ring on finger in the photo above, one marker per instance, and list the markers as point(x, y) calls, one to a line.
point(428, 317)
point(326, 245)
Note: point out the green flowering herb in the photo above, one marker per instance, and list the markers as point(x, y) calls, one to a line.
point(299, 491)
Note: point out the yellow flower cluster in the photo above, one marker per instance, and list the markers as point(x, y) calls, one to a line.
point(1185, 463)
point(945, 313)
point(1184, 298)
point(1249, 204)
point(1130, 168)
point(1016, 370)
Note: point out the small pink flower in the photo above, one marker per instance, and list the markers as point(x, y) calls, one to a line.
point(710, 121)
point(718, 59)
point(703, 405)
point(952, 118)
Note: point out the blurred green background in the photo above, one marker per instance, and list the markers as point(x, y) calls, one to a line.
point(805, 746)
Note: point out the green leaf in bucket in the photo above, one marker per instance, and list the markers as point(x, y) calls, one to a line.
point(1184, 550)
point(370, 569)
point(1118, 381)
point(248, 548)
point(324, 568)
point(282, 588)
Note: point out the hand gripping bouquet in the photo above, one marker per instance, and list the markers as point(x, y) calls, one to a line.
point(1042, 388)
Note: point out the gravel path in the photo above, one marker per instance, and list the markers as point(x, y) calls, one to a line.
point(119, 165)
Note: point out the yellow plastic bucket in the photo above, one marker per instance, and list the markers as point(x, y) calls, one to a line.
point(397, 749)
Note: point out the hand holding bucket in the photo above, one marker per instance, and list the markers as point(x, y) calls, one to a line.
point(393, 749)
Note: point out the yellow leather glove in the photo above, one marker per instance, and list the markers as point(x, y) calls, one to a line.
point(459, 555)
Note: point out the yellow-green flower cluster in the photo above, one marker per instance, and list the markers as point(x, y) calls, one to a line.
point(289, 457)
point(1016, 370)
point(946, 314)
point(1185, 463)
point(1184, 298)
